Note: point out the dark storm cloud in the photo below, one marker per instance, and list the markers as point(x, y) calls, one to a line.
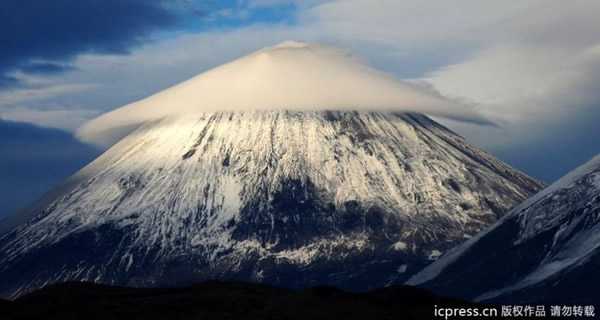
point(35, 159)
point(41, 36)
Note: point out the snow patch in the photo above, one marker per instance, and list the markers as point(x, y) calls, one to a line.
point(434, 254)
point(402, 268)
point(400, 246)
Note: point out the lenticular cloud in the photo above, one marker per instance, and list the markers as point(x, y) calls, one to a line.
point(289, 76)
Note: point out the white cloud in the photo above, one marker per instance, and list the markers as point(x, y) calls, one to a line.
point(409, 27)
point(20, 95)
point(276, 3)
point(66, 119)
point(543, 73)
point(289, 76)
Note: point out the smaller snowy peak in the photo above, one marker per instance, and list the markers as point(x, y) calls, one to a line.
point(591, 167)
point(290, 76)
point(539, 252)
point(581, 184)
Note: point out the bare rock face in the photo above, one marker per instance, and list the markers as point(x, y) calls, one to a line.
point(352, 199)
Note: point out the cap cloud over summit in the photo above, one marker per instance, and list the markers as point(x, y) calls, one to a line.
point(289, 76)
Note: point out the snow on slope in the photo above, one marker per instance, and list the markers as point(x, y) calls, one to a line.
point(354, 199)
point(290, 76)
point(559, 226)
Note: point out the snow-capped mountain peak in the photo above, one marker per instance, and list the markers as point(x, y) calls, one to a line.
point(293, 198)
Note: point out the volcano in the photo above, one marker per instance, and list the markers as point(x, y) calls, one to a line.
point(293, 198)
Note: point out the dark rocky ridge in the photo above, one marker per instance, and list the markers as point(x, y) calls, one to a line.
point(224, 300)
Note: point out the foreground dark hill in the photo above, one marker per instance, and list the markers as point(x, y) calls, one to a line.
point(547, 250)
point(223, 300)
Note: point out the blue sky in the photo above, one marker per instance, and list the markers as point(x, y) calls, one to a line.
point(532, 67)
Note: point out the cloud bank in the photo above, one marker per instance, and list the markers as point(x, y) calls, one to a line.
point(531, 66)
point(289, 76)
point(539, 82)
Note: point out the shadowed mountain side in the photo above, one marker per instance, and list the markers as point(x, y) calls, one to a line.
point(224, 300)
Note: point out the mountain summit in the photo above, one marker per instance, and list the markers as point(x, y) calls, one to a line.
point(291, 198)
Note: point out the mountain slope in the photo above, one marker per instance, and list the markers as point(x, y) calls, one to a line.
point(353, 199)
point(547, 250)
